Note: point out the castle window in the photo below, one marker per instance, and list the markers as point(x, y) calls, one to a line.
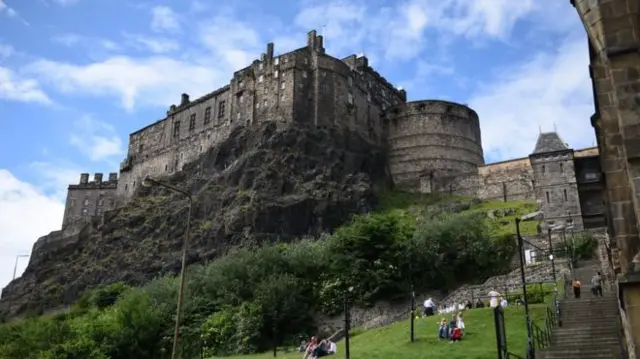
point(258, 104)
point(192, 122)
point(304, 74)
point(241, 98)
point(282, 85)
point(547, 194)
point(350, 98)
point(561, 169)
point(207, 115)
point(544, 168)
point(260, 78)
point(285, 59)
point(240, 83)
point(72, 202)
point(275, 74)
point(140, 147)
point(565, 196)
point(86, 202)
point(277, 61)
point(265, 103)
point(305, 61)
point(260, 66)
point(368, 97)
point(350, 81)
point(176, 129)
point(166, 167)
point(100, 201)
point(85, 211)
point(282, 98)
point(221, 106)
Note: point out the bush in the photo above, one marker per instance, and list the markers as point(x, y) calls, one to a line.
point(251, 299)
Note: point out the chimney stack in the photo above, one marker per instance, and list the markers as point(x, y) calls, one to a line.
point(113, 176)
point(84, 178)
point(97, 178)
point(270, 51)
point(184, 100)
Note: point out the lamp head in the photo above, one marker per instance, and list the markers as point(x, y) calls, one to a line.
point(531, 216)
point(148, 181)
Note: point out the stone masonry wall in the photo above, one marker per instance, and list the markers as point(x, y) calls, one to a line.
point(512, 180)
point(302, 85)
point(437, 138)
point(89, 198)
point(535, 273)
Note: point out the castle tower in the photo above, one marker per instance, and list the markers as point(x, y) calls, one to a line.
point(555, 184)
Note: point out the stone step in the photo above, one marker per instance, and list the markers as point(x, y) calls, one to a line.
point(589, 319)
point(563, 341)
point(587, 316)
point(580, 352)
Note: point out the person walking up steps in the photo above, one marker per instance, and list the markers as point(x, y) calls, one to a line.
point(576, 288)
point(596, 281)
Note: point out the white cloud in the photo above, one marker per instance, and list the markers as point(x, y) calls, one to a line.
point(6, 51)
point(25, 215)
point(54, 178)
point(156, 45)
point(68, 40)
point(151, 81)
point(16, 88)
point(551, 89)
point(95, 139)
point(65, 2)
point(164, 19)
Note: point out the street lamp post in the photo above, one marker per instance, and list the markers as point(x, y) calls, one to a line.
point(15, 267)
point(347, 323)
point(149, 182)
point(523, 278)
point(555, 280)
point(15, 271)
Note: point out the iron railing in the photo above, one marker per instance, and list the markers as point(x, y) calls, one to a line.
point(542, 335)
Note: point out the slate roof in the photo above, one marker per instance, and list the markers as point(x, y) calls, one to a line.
point(549, 142)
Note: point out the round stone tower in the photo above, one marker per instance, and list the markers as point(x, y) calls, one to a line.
point(432, 137)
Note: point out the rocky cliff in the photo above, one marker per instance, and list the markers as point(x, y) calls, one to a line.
point(269, 182)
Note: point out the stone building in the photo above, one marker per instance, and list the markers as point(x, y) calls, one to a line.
point(613, 29)
point(305, 85)
point(89, 198)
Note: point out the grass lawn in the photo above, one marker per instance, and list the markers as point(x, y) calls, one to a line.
point(392, 342)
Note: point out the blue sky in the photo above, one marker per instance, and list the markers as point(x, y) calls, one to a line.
point(76, 76)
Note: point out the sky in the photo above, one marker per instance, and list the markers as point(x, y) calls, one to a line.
point(77, 76)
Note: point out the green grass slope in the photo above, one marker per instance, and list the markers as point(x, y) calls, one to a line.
point(392, 342)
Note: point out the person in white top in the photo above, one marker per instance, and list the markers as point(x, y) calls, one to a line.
point(333, 348)
point(429, 307)
point(493, 302)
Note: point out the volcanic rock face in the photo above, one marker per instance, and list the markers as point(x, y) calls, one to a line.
point(262, 184)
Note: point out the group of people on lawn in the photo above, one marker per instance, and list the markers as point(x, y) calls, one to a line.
point(314, 349)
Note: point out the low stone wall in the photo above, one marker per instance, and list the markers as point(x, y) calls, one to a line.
point(535, 273)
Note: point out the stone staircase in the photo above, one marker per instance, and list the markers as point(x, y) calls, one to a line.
point(590, 325)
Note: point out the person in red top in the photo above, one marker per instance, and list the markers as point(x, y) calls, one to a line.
point(311, 346)
point(456, 335)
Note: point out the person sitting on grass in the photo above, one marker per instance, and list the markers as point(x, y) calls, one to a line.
point(453, 323)
point(443, 330)
point(460, 323)
point(456, 335)
point(324, 349)
point(311, 346)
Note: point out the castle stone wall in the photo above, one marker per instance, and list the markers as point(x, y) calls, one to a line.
point(302, 85)
point(432, 137)
point(89, 198)
point(511, 180)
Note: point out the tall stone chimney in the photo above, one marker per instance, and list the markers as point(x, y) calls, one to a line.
point(113, 176)
point(84, 178)
point(184, 100)
point(97, 178)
